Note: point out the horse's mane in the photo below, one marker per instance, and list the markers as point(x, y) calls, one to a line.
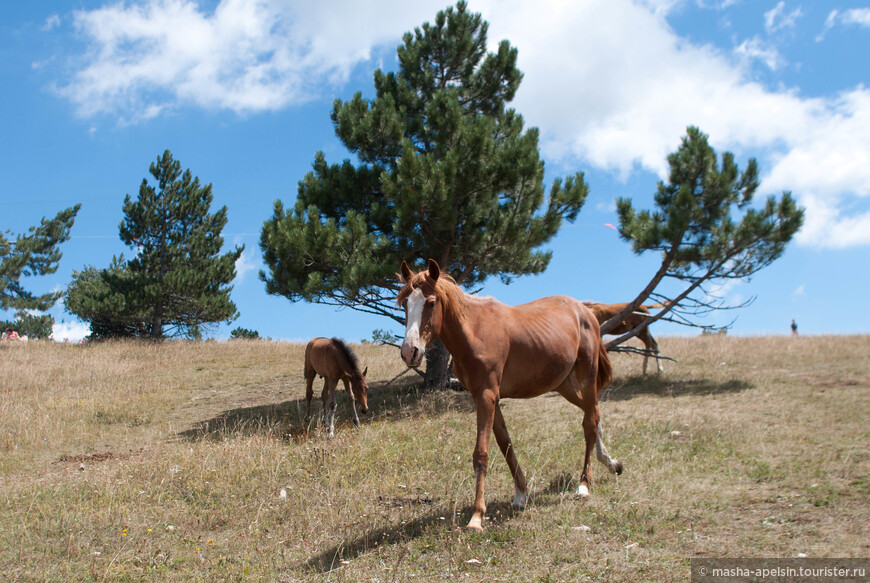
point(446, 287)
point(349, 354)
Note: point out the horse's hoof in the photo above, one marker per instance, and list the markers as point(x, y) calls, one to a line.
point(475, 524)
point(356, 422)
point(617, 468)
point(583, 491)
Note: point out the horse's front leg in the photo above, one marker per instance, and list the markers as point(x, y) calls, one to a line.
point(351, 402)
point(507, 449)
point(485, 403)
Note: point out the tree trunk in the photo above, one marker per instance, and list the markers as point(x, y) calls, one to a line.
point(437, 375)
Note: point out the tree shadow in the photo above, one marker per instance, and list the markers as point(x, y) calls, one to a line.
point(662, 386)
point(286, 419)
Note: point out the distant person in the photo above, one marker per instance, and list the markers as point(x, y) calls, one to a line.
point(10, 334)
point(794, 328)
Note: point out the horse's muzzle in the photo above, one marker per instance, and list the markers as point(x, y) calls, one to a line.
point(412, 355)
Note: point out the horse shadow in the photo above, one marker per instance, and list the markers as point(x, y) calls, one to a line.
point(400, 534)
point(662, 386)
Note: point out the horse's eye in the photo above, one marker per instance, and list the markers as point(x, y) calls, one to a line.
point(430, 304)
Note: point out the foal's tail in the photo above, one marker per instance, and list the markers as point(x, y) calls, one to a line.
point(605, 369)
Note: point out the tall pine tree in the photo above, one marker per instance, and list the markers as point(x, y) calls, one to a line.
point(178, 281)
point(444, 169)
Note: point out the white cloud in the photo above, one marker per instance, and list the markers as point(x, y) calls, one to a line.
point(799, 291)
point(51, 23)
point(778, 19)
point(855, 16)
point(246, 56)
point(246, 262)
point(71, 332)
point(758, 50)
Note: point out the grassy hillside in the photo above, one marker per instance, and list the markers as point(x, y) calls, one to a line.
point(129, 462)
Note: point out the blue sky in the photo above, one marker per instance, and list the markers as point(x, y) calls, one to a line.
point(240, 92)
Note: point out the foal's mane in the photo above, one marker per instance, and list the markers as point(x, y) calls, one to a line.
point(349, 354)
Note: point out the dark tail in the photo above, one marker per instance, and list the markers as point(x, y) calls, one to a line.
point(605, 369)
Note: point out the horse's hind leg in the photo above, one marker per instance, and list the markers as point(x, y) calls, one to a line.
point(582, 394)
point(650, 344)
point(507, 449)
point(309, 393)
point(613, 465)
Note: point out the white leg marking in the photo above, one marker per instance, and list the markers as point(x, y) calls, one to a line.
point(583, 491)
point(519, 499)
point(602, 454)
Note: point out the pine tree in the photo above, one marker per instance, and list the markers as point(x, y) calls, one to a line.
point(444, 170)
point(33, 254)
point(178, 282)
point(705, 230)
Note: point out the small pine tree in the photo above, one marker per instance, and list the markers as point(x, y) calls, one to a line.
point(177, 282)
point(244, 334)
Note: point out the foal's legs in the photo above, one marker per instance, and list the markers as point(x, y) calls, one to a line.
point(485, 403)
point(328, 398)
point(351, 401)
point(507, 449)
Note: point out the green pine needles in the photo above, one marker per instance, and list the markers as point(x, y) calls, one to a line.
point(443, 169)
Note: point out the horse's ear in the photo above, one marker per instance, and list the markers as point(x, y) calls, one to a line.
point(434, 270)
point(365, 371)
point(405, 273)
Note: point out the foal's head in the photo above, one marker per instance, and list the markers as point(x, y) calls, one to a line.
point(423, 297)
point(360, 388)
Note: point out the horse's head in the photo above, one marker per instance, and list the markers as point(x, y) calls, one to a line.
point(360, 388)
point(423, 311)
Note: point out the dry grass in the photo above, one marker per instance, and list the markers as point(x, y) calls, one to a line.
point(130, 462)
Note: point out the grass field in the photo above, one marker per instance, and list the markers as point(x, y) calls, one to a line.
point(191, 462)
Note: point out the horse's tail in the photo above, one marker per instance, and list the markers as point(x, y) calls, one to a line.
point(605, 369)
point(658, 305)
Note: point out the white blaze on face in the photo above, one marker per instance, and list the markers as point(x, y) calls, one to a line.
point(416, 301)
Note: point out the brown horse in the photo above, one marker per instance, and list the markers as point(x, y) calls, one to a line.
point(332, 359)
point(604, 312)
point(499, 351)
